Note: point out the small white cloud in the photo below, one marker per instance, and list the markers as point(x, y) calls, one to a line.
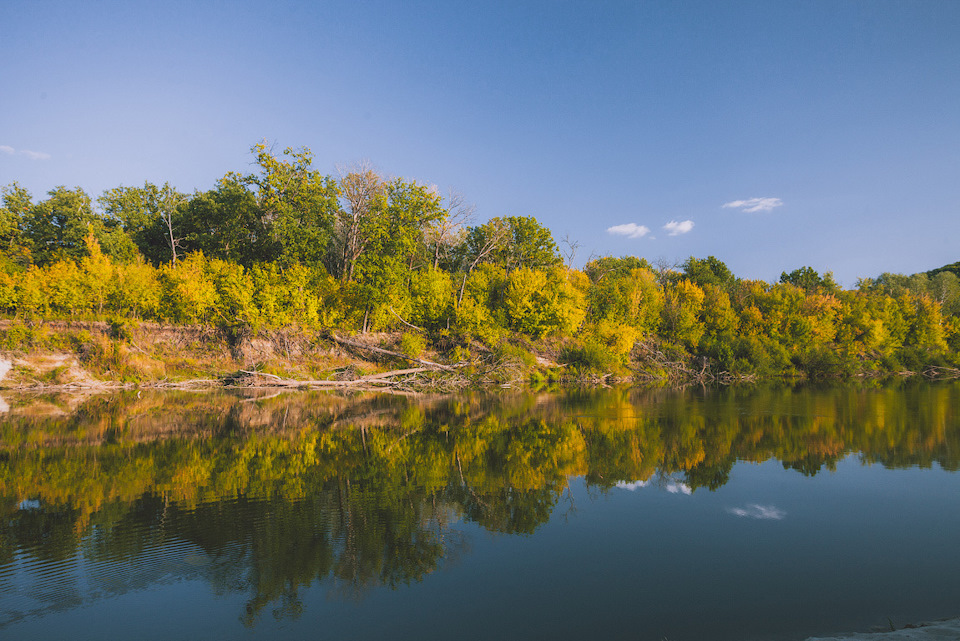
point(761, 512)
point(630, 230)
point(679, 488)
point(35, 155)
point(7, 150)
point(675, 228)
point(632, 485)
point(754, 204)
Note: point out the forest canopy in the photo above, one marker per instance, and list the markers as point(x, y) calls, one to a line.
point(286, 246)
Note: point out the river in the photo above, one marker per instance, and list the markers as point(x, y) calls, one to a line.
point(742, 513)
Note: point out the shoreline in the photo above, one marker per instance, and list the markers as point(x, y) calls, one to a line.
point(95, 355)
point(940, 630)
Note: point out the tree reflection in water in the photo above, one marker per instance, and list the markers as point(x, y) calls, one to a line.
point(265, 497)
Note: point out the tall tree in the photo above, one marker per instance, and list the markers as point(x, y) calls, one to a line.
point(16, 203)
point(363, 193)
point(443, 235)
point(225, 223)
point(394, 241)
point(57, 227)
point(511, 242)
point(297, 205)
point(150, 216)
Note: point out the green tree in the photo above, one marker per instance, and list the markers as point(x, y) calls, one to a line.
point(393, 248)
point(807, 279)
point(150, 215)
point(512, 242)
point(297, 205)
point(708, 271)
point(225, 223)
point(57, 227)
point(17, 202)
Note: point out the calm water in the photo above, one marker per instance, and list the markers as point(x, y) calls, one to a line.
point(770, 513)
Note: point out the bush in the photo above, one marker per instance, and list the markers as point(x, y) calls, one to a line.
point(589, 356)
point(121, 328)
point(412, 345)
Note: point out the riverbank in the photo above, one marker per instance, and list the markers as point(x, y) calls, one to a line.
point(90, 355)
point(945, 630)
point(125, 354)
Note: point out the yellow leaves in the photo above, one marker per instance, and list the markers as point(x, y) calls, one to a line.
point(538, 302)
point(135, 291)
point(98, 274)
point(187, 294)
point(926, 329)
point(523, 301)
point(432, 295)
point(617, 337)
point(681, 313)
point(8, 291)
point(475, 320)
point(718, 314)
point(64, 286)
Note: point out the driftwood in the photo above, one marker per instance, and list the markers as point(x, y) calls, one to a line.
point(937, 372)
point(380, 350)
point(407, 379)
point(657, 366)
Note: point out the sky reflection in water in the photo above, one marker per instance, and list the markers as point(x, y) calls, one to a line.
point(730, 514)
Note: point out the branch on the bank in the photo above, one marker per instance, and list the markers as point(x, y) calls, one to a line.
point(380, 350)
point(399, 318)
point(409, 379)
point(255, 373)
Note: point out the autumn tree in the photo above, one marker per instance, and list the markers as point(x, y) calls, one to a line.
point(393, 245)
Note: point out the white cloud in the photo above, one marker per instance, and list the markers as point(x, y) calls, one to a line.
point(754, 204)
point(679, 488)
point(632, 485)
point(35, 155)
point(32, 155)
point(630, 230)
point(675, 228)
point(762, 512)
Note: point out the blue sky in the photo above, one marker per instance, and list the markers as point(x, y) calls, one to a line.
point(844, 117)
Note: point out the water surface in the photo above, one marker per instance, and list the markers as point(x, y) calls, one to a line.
point(761, 513)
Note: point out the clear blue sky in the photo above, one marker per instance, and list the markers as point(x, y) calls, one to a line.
point(844, 116)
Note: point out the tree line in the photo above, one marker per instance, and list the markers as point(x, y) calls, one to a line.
point(286, 245)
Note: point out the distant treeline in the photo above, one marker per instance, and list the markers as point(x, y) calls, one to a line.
point(288, 246)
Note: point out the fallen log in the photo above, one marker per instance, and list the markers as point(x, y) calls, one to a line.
point(383, 378)
point(380, 350)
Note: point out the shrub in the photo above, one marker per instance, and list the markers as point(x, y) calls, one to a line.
point(412, 345)
point(589, 356)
